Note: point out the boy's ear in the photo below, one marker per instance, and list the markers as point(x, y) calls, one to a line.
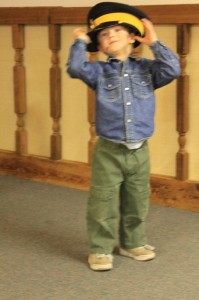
point(99, 47)
point(132, 38)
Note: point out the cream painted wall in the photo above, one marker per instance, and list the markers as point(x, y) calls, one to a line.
point(6, 91)
point(38, 122)
point(75, 127)
point(74, 124)
point(76, 3)
point(164, 144)
point(193, 136)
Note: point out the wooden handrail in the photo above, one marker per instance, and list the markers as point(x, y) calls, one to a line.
point(159, 14)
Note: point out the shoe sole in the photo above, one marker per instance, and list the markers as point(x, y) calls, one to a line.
point(136, 257)
point(97, 267)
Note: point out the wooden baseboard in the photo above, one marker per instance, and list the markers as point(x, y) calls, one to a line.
point(166, 191)
point(72, 174)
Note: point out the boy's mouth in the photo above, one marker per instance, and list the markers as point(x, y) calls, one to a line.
point(112, 42)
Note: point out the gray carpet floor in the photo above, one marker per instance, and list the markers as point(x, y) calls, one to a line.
point(43, 250)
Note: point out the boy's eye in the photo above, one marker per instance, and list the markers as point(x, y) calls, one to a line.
point(103, 34)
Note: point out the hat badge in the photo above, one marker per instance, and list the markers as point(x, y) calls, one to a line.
point(92, 25)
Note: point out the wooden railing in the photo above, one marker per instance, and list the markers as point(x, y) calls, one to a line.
point(78, 174)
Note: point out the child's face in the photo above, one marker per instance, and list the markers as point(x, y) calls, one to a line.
point(116, 41)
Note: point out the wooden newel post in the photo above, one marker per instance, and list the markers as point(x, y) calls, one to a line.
point(91, 115)
point(55, 91)
point(182, 160)
point(19, 89)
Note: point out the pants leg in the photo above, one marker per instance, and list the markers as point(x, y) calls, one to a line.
point(103, 202)
point(135, 192)
point(116, 168)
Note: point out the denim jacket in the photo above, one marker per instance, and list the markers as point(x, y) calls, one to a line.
point(125, 100)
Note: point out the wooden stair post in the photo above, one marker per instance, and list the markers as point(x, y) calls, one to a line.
point(91, 115)
point(55, 91)
point(19, 89)
point(182, 158)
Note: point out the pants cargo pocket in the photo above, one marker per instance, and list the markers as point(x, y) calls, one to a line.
point(102, 218)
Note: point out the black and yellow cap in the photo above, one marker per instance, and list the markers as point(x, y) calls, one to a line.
point(107, 14)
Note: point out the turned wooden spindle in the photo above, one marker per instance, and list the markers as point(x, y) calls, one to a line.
point(182, 157)
point(19, 89)
point(91, 115)
point(55, 91)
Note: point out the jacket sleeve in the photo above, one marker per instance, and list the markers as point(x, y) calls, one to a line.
point(165, 67)
point(78, 65)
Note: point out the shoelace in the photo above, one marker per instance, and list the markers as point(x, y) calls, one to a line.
point(101, 255)
point(149, 247)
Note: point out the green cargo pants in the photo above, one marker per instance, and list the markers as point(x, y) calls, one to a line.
point(119, 197)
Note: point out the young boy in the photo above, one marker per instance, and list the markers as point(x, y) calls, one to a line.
point(125, 106)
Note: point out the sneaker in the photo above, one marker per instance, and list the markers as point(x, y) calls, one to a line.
point(149, 247)
point(141, 253)
point(100, 262)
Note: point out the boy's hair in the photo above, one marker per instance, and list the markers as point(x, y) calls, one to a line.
point(107, 14)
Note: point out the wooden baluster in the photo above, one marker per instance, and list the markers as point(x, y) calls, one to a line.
point(91, 114)
point(19, 89)
point(55, 91)
point(182, 159)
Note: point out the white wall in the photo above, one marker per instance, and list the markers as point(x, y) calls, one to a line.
point(76, 3)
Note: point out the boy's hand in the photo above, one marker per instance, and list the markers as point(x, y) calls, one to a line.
point(150, 34)
point(80, 33)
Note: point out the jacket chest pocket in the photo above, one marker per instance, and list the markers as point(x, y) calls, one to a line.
point(110, 89)
point(142, 86)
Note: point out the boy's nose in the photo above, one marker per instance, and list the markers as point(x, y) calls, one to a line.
point(111, 32)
